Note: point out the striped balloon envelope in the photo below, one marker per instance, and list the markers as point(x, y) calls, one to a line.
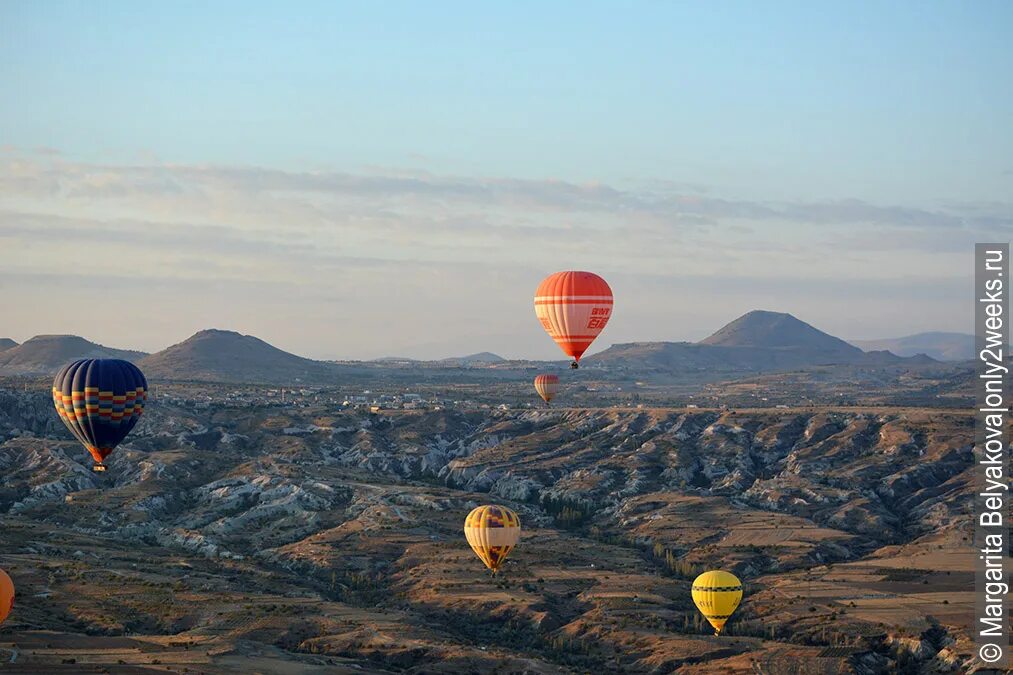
point(716, 594)
point(100, 401)
point(573, 308)
point(547, 385)
point(492, 531)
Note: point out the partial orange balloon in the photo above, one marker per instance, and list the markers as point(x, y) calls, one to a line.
point(6, 596)
point(573, 307)
point(547, 385)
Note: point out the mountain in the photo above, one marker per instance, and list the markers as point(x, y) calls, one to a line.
point(7, 343)
point(45, 354)
point(479, 359)
point(940, 346)
point(758, 341)
point(776, 330)
point(227, 356)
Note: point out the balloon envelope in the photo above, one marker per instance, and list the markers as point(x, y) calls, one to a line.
point(6, 596)
point(100, 401)
point(573, 307)
point(716, 594)
point(547, 385)
point(492, 531)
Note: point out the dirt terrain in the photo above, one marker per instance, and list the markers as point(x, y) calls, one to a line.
point(304, 539)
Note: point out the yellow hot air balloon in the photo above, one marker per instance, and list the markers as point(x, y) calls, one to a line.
point(492, 532)
point(717, 593)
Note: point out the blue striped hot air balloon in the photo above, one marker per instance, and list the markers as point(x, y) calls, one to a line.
point(100, 401)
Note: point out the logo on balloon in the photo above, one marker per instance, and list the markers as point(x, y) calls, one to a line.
point(599, 317)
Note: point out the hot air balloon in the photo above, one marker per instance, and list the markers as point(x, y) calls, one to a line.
point(547, 385)
point(573, 308)
point(492, 532)
point(100, 401)
point(6, 596)
point(717, 593)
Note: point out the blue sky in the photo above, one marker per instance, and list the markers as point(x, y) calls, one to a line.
point(708, 157)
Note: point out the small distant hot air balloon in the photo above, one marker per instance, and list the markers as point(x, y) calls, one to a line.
point(717, 593)
point(6, 596)
point(573, 308)
point(547, 385)
point(100, 401)
point(492, 531)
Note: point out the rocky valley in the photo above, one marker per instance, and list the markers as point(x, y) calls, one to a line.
point(310, 538)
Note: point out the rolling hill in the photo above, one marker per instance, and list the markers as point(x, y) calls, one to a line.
point(227, 356)
point(7, 343)
point(45, 354)
point(938, 345)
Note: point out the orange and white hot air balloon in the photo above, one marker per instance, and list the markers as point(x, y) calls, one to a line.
point(547, 385)
point(573, 308)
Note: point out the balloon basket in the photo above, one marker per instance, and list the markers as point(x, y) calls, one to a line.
point(99, 468)
point(574, 366)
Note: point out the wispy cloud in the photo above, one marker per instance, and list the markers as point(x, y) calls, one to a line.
point(206, 184)
point(383, 246)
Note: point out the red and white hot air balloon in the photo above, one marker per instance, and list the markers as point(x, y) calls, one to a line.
point(573, 308)
point(547, 385)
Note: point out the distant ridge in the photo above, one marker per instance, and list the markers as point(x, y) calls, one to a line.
point(7, 343)
point(227, 356)
point(479, 359)
point(758, 342)
point(936, 344)
point(44, 354)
